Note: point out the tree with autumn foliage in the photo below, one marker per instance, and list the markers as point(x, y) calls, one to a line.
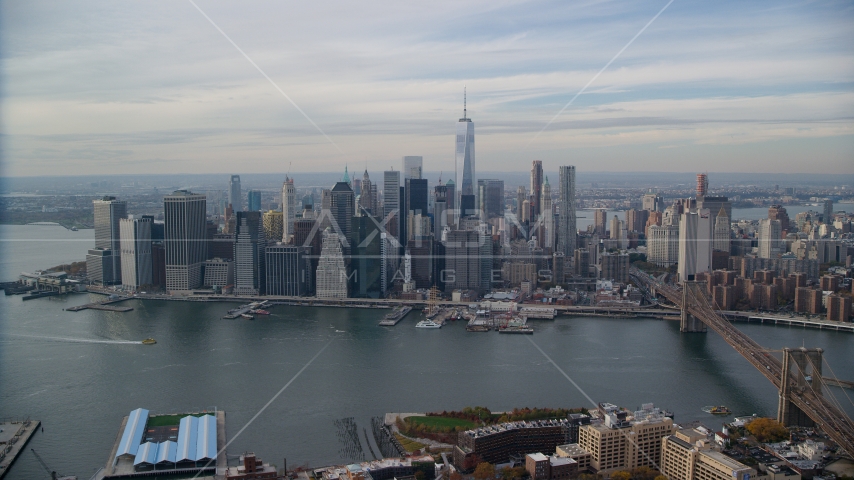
point(621, 475)
point(768, 430)
point(484, 471)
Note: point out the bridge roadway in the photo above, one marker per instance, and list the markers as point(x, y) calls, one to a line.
point(833, 421)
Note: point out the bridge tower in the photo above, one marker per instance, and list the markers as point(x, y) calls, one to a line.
point(801, 370)
point(689, 323)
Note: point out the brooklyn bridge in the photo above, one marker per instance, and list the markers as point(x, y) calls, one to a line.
point(797, 376)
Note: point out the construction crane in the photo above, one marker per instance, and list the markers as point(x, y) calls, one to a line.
point(52, 473)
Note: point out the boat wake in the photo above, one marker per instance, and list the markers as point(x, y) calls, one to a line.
point(74, 340)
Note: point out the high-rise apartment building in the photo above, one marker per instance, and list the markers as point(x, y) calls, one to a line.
point(702, 184)
point(695, 244)
point(548, 217)
point(770, 241)
point(103, 263)
point(616, 228)
point(289, 209)
point(136, 251)
point(615, 266)
point(185, 239)
point(652, 202)
point(778, 212)
point(464, 154)
point(235, 196)
point(249, 246)
point(331, 278)
point(412, 166)
point(567, 231)
point(600, 220)
point(536, 187)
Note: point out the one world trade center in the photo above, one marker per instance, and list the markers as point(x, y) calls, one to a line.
point(464, 160)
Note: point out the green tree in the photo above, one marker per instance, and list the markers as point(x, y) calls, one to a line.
point(621, 475)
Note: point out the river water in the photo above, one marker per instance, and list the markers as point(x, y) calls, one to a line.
point(77, 374)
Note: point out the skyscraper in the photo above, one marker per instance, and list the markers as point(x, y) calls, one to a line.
point(412, 167)
point(828, 212)
point(249, 246)
point(695, 244)
point(490, 194)
point(548, 218)
point(391, 201)
point(367, 202)
point(464, 157)
point(235, 197)
point(185, 239)
point(287, 270)
point(253, 198)
point(289, 209)
point(331, 272)
point(778, 212)
point(567, 229)
point(440, 210)
point(536, 187)
point(103, 263)
point(273, 221)
point(462, 261)
point(702, 184)
point(770, 242)
point(342, 209)
point(653, 202)
point(722, 232)
point(136, 251)
point(600, 219)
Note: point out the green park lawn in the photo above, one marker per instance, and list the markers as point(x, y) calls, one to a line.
point(441, 422)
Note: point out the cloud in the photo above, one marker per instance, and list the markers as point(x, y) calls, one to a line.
point(143, 81)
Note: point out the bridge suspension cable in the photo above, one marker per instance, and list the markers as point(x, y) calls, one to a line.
point(823, 411)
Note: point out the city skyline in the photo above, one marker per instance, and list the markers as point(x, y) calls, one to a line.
point(770, 90)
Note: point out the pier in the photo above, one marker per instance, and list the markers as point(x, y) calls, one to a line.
point(105, 305)
point(13, 439)
point(392, 318)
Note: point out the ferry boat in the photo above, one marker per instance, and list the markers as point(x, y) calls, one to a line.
point(149, 341)
point(247, 316)
point(260, 312)
point(717, 410)
point(428, 324)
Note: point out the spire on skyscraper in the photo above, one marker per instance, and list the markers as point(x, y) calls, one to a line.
point(346, 178)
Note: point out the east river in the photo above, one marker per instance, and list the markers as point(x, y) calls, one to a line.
point(75, 373)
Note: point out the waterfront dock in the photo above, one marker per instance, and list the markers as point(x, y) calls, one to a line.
point(392, 318)
point(14, 436)
point(106, 305)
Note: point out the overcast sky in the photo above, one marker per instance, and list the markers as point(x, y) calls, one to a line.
point(153, 87)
